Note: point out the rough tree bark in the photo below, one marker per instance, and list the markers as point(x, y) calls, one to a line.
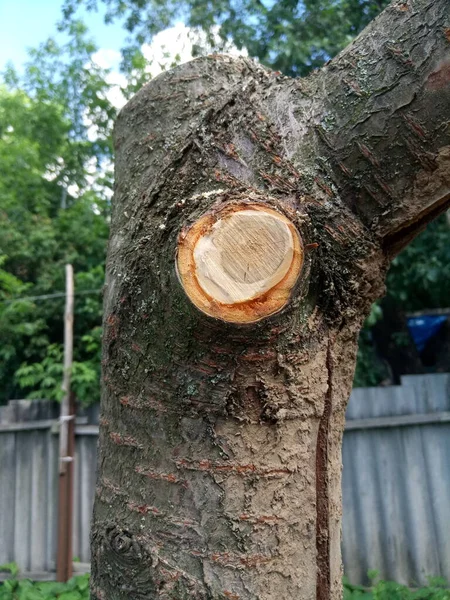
point(220, 444)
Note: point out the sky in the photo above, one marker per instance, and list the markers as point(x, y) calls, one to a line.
point(27, 23)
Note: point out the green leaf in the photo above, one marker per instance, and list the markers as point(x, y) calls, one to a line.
point(10, 568)
point(51, 588)
point(74, 595)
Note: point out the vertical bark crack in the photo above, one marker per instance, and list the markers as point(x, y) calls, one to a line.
point(322, 491)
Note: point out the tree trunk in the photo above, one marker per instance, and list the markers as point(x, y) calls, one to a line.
point(220, 442)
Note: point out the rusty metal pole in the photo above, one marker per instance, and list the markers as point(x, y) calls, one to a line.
point(64, 566)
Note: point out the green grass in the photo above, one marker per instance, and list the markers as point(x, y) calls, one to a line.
point(78, 589)
point(437, 589)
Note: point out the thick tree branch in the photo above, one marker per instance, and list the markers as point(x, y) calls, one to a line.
point(381, 114)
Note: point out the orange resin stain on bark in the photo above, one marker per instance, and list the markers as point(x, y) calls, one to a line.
point(440, 78)
point(124, 440)
point(219, 468)
point(169, 477)
point(143, 509)
point(257, 356)
point(231, 595)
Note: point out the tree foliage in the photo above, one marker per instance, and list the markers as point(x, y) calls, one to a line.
point(292, 36)
point(419, 277)
point(54, 205)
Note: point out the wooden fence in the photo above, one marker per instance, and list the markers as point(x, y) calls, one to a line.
point(396, 482)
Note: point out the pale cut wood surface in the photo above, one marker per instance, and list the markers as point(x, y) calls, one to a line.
point(243, 256)
point(241, 262)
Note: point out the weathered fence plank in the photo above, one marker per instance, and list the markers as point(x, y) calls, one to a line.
point(396, 482)
point(39, 495)
point(7, 495)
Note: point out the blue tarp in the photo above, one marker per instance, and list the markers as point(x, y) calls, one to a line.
point(423, 328)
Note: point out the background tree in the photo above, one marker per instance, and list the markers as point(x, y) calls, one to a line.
point(291, 36)
point(55, 186)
